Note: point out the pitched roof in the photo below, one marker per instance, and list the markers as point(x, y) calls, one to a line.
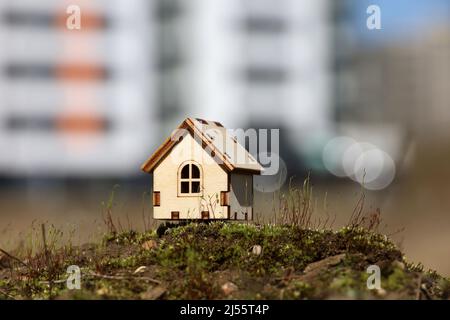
point(215, 139)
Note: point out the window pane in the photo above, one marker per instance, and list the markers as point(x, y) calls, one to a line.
point(184, 187)
point(195, 172)
point(195, 186)
point(185, 172)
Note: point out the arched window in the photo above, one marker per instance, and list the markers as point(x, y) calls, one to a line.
point(190, 179)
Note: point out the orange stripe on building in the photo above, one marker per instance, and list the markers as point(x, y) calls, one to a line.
point(79, 72)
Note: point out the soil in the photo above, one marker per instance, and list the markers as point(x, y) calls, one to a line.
point(222, 261)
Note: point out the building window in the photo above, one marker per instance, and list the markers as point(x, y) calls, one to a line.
point(205, 215)
point(156, 198)
point(190, 179)
point(175, 215)
point(224, 198)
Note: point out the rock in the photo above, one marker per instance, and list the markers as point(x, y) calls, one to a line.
point(153, 293)
point(102, 291)
point(398, 264)
point(324, 263)
point(228, 288)
point(381, 292)
point(140, 269)
point(256, 250)
point(149, 245)
point(314, 269)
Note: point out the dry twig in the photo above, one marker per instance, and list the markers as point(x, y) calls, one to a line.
point(13, 257)
point(104, 276)
point(6, 294)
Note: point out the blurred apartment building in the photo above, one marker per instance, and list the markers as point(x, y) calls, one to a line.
point(96, 101)
point(75, 102)
point(400, 88)
point(249, 64)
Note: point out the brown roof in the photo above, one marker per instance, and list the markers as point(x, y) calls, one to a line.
point(203, 129)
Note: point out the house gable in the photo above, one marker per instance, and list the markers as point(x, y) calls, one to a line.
point(171, 150)
point(167, 180)
point(198, 129)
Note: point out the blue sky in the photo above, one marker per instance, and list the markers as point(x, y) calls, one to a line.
point(400, 19)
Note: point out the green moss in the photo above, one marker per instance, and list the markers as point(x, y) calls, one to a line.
point(194, 260)
point(298, 290)
point(119, 263)
point(129, 237)
point(396, 280)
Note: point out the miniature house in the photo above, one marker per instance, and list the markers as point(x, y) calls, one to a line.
point(202, 172)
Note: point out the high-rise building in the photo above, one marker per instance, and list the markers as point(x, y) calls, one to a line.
point(75, 101)
point(94, 101)
point(400, 80)
point(253, 63)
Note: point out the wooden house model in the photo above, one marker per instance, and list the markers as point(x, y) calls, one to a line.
point(202, 172)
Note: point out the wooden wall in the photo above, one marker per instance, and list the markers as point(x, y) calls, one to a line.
point(214, 180)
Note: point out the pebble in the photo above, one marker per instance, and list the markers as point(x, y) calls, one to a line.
point(256, 250)
point(150, 244)
point(228, 288)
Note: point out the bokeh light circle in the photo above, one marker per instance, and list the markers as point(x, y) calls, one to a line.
point(271, 183)
point(351, 155)
point(374, 169)
point(333, 154)
point(362, 162)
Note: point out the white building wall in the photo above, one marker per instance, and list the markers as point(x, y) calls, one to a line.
point(165, 180)
point(33, 104)
point(258, 61)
